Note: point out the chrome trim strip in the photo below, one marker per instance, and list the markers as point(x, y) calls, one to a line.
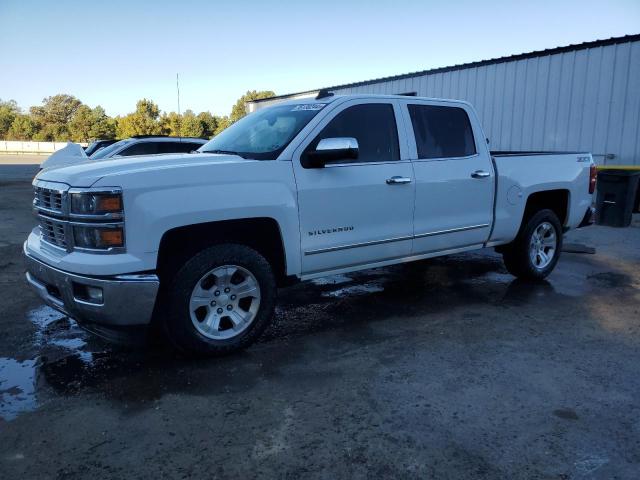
point(451, 230)
point(51, 212)
point(98, 217)
point(442, 159)
point(362, 164)
point(390, 240)
point(113, 190)
point(84, 224)
point(356, 245)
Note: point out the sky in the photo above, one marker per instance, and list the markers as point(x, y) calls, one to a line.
point(115, 53)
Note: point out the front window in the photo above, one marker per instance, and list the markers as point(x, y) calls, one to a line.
point(264, 134)
point(373, 125)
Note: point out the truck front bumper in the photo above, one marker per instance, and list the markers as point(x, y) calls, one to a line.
point(117, 301)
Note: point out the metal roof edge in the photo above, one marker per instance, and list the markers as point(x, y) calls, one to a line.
point(480, 63)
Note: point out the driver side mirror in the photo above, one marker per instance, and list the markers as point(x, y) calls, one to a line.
point(331, 150)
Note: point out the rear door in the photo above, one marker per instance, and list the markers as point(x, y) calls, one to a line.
point(454, 176)
point(351, 212)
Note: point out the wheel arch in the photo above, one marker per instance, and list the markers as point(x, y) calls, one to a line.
point(263, 234)
point(556, 200)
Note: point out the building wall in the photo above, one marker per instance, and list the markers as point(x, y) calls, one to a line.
point(586, 100)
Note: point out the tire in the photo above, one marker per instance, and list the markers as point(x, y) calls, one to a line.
point(524, 257)
point(195, 325)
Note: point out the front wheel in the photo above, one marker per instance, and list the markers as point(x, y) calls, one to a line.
point(220, 301)
point(535, 251)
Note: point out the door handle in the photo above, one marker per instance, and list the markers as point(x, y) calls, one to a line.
point(480, 174)
point(397, 180)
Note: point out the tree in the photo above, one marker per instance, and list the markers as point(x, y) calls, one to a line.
point(9, 110)
point(81, 123)
point(54, 116)
point(63, 117)
point(171, 123)
point(144, 121)
point(91, 124)
point(239, 110)
point(223, 122)
point(22, 128)
point(104, 127)
point(209, 124)
point(191, 125)
point(187, 125)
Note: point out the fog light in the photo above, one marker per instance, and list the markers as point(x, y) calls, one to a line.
point(94, 294)
point(88, 293)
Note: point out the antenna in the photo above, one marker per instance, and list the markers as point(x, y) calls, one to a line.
point(324, 93)
point(179, 114)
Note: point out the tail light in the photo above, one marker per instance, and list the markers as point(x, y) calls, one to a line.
point(593, 177)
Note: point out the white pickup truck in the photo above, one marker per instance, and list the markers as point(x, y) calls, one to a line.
point(198, 244)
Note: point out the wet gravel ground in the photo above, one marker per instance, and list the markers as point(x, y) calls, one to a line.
point(448, 368)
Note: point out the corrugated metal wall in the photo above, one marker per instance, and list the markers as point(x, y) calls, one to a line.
point(587, 100)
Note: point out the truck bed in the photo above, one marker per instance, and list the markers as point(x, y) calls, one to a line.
point(521, 173)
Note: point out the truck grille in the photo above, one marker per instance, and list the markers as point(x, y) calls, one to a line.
point(53, 232)
point(48, 199)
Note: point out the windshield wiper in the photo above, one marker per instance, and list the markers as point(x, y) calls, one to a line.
point(225, 152)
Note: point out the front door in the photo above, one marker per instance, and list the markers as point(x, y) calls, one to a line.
point(357, 212)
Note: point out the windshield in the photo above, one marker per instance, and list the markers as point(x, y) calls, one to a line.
point(264, 134)
point(107, 151)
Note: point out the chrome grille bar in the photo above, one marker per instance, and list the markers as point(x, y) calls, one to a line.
point(50, 204)
point(53, 231)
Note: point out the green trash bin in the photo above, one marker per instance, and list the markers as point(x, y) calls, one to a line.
point(617, 196)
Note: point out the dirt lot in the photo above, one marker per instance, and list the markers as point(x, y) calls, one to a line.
point(19, 167)
point(444, 369)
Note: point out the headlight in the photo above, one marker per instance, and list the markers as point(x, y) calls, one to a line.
point(97, 203)
point(100, 237)
point(97, 219)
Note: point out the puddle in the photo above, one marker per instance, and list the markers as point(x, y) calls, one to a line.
point(332, 280)
point(362, 289)
point(17, 387)
point(55, 330)
point(56, 338)
point(590, 463)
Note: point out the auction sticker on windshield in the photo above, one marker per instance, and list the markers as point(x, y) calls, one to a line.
point(308, 106)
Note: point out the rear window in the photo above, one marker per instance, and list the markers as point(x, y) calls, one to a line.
point(142, 148)
point(441, 132)
point(178, 147)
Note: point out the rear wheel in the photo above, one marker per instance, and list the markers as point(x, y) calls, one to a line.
point(535, 251)
point(220, 301)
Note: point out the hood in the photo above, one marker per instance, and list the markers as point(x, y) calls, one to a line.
point(70, 154)
point(87, 173)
